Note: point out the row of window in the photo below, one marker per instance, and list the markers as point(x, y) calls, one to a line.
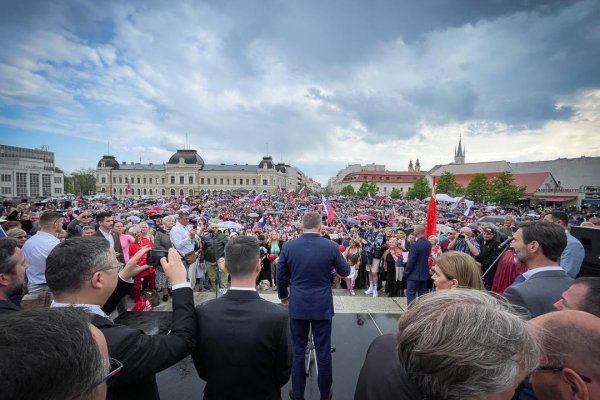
point(8, 191)
point(214, 181)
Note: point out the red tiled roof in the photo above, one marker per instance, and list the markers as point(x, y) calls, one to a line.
point(532, 181)
point(384, 176)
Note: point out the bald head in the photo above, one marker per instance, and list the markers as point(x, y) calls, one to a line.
point(570, 343)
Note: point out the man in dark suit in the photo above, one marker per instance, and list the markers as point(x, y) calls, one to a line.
point(538, 245)
point(105, 224)
point(84, 272)
point(254, 332)
point(12, 273)
point(305, 266)
point(417, 267)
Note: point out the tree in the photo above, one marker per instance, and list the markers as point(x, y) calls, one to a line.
point(367, 188)
point(503, 191)
point(83, 181)
point(348, 191)
point(478, 189)
point(68, 184)
point(420, 189)
point(395, 193)
point(447, 184)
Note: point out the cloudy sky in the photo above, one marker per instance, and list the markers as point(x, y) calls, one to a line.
point(320, 84)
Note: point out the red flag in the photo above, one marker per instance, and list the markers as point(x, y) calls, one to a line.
point(431, 228)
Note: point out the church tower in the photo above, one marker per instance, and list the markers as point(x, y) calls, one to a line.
point(410, 167)
point(459, 154)
point(418, 166)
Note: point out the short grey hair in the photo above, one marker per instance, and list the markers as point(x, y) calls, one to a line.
point(464, 344)
point(311, 220)
point(169, 218)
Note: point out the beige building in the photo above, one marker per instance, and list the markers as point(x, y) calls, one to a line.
point(186, 174)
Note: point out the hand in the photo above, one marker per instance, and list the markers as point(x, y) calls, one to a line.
point(284, 302)
point(131, 268)
point(192, 233)
point(173, 267)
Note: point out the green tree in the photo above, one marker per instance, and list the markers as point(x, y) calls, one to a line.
point(395, 193)
point(84, 181)
point(447, 184)
point(420, 189)
point(478, 189)
point(68, 184)
point(348, 191)
point(503, 191)
point(367, 188)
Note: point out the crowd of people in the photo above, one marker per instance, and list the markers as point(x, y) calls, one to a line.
point(470, 287)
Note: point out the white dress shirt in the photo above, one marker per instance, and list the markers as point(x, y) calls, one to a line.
point(36, 250)
point(180, 239)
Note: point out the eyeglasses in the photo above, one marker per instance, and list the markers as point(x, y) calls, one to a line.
point(550, 368)
point(115, 367)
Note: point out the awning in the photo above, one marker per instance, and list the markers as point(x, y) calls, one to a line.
point(560, 199)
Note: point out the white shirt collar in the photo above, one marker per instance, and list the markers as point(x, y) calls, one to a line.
point(250, 289)
point(534, 271)
point(92, 308)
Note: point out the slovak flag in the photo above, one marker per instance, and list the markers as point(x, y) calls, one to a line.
point(302, 191)
point(469, 212)
point(261, 222)
point(370, 197)
point(458, 203)
point(328, 208)
point(258, 198)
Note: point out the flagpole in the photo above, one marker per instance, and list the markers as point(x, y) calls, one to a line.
point(340, 221)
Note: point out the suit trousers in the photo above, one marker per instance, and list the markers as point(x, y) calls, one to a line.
point(321, 332)
point(414, 289)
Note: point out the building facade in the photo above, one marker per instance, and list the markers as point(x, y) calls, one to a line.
point(186, 174)
point(29, 173)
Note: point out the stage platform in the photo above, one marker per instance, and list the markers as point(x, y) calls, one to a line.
point(358, 320)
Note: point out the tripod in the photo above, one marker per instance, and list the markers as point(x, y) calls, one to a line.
point(310, 356)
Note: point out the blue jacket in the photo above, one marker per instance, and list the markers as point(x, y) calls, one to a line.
point(305, 265)
point(572, 257)
point(417, 268)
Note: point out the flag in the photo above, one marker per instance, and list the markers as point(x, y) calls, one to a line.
point(261, 222)
point(379, 197)
point(431, 213)
point(469, 212)
point(459, 202)
point(302, 191)
point(2, 233)
point(258, 198)
point(393, 216)
point(328, 208)
point(279, 189)
point(291, 194)
point(369, 195)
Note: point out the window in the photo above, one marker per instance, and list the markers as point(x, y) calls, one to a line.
point(6, 190)
point(265, 182)
point(139, 191)
point(57, 191)
point(172, 192)
point(247, 181)
point(150, 192)
point(114, 191)
point(234, 180)
point(120, 180)
point(103, 179)
point(46, 190)
point(57, 179)
point(34, 185)
point(138, 180)
point(228, 181)
point(181, 192)
point(202, 181)
point(181, 180)
point(254, 181)
point(163, 181)
point(114, 180)
point(191, 192)
point(172, 180)
point(103, 190)
point(162, 192)
point(191, 180)
point(144, 191)
point(144, 180)
point(6, 178)
point(221, 181)
point(208, 181)
point(121, 191)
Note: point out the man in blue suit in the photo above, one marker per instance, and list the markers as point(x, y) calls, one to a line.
point(417, 267)
point(305, 266)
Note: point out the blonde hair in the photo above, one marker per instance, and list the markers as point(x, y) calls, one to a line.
point(462, 267)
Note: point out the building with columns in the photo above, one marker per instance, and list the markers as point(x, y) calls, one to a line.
point(185, 173)
point(29, 173)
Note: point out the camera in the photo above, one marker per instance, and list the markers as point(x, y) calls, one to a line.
point(461, 236)
point(154, 257)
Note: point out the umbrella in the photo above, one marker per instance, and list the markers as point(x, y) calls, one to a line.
point(134, 219)
point(406, 207)
point(230, 225)
point(352, 221)
point(443, 228)
point(154, 211)
point(363, 218)
point(302, 209)
point(279, 203)
point(253, 215)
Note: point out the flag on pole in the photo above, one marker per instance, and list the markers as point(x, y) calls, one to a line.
point(302, 191)
point(469, 212)
point(431, 213)
point(369, 196)
point(457, 203)
point(328, 208)
point(258, 198)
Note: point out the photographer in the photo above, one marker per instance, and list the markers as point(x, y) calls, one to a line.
point(465, 243)
point(214, 254)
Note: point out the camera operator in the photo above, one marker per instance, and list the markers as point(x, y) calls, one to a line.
point(464, 242)
point(214, 254)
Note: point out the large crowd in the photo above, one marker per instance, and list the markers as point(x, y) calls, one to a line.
point(497, 265)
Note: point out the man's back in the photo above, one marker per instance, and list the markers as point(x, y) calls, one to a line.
point(255, 333)
point(417, 267)
point(36, 251)
point(305, 264)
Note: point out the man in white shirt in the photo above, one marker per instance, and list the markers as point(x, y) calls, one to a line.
point(183, 237)
point(37, 248)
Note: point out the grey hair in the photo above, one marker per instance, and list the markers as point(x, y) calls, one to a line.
point(464, 344)
point(135, 229)
point(169, 218)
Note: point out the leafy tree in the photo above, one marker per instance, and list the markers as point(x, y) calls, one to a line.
point(478, 189)
point(503, 191)
point(367, 188)
point(68, 184)
point(447, 184)
point(83, 181)
point(348, 191)
point(395, 193)
point(420, 189)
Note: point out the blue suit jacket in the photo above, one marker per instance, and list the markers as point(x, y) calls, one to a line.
point(305, 266)
point(417, 267)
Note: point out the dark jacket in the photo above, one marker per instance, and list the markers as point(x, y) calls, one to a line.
point(214, 246)
point(7, 306)
point(255, 334)
point(417, 266)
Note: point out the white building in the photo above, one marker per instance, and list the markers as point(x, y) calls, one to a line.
point(29, 173)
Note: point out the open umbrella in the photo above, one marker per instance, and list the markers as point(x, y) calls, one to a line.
point(230, 225)
point(406, 207)
point(352, 221)
point(253, 215)
point(443, 228)
point(135, 219)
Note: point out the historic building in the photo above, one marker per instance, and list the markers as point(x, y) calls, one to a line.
point(29, 173)
point(385, 180)
point(186, 174)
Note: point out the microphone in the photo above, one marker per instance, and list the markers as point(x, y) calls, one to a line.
point(507, 241)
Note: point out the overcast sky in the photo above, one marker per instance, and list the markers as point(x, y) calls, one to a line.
point(321, 84)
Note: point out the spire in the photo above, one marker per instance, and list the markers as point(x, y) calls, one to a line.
point(459, 153)
point(410, 166)
point(418, 166)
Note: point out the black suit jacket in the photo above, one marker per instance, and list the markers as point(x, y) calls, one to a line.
point(243, 349)
point(7, 306)
point(144, 355)
point(118, 249)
